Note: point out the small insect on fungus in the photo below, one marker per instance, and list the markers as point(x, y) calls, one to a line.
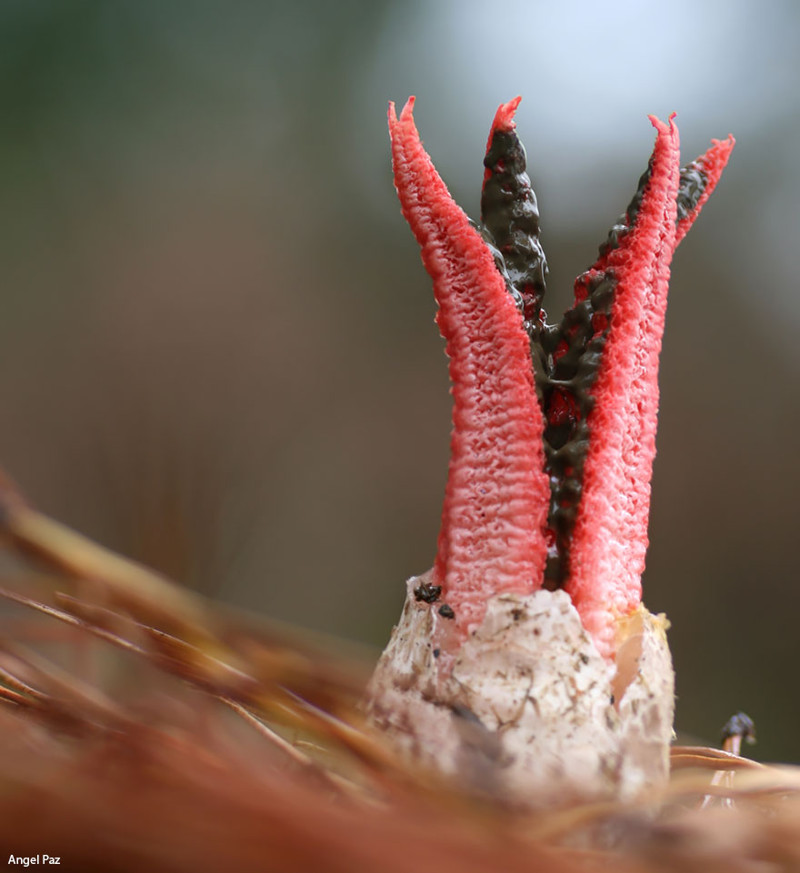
point(544, 527)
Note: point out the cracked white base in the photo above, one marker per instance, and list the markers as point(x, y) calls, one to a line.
point(528, 709)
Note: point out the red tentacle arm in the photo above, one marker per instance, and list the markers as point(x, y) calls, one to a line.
point(610, 536)
point(492, 534)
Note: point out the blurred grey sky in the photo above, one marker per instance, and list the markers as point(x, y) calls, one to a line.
point(216, 345)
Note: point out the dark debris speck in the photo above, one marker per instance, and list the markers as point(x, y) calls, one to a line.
point(427, 592)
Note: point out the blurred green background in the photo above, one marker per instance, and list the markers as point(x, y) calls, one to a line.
point(217, 352)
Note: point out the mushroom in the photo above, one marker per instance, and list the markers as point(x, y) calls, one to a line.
point(525, 665)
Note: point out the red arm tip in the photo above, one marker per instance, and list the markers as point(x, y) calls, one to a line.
point(504, 117)
point(408, 109)
point(406, 113)
point(712, 163)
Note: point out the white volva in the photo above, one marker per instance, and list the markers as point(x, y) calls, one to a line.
point(527, 709)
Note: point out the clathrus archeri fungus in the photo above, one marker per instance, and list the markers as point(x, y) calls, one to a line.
point(525, 662)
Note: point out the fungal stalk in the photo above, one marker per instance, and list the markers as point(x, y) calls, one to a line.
point(524, 661)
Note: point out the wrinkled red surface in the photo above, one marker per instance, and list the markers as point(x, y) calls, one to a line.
point(609, 543)
point(492, 535)
point(610, 536)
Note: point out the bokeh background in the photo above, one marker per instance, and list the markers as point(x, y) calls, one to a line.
point(217, 352)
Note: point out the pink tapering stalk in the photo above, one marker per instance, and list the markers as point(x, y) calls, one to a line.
point(607, 552)
point(610, 537)
point(492, 534)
